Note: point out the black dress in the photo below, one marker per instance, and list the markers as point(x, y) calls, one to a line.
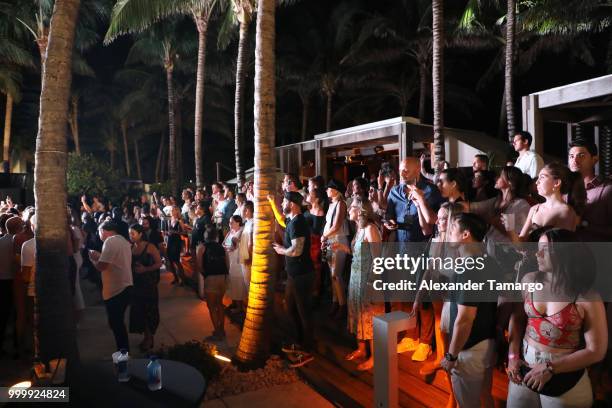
point(144, 311)
point(175, 242)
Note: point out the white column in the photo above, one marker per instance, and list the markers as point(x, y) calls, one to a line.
point(386, 328)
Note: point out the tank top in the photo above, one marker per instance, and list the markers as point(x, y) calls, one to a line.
point(559, 330)
point(214, 260)
point(329, 220)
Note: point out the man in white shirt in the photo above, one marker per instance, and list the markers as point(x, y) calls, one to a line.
point(115, 265)
point(529, 162)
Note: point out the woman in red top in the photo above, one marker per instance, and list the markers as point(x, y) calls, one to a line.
point(560, 330)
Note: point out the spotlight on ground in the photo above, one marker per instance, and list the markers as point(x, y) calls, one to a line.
point(223, 358)
point(23, 384)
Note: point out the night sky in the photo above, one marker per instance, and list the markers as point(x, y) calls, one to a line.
point(352, 103)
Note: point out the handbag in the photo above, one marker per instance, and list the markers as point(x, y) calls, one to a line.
point(559, 383)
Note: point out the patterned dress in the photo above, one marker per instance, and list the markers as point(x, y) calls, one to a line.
point(361, 310)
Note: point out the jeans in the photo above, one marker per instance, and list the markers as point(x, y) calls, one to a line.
point(115, 312)
point(424, 328)
point(581, 395)
point(472, 377)
point(298, 294)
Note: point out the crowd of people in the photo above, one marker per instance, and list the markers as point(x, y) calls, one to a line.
point(328, 234)
point(549, 346)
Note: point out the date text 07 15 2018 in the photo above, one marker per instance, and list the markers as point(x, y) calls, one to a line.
point(34, 394)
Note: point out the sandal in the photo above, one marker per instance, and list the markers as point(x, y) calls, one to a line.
point(354, 355)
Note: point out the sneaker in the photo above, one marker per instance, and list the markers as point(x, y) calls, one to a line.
point(422, 352)
point(301, 359)
point(407, 344)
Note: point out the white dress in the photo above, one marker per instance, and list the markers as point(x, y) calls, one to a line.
point(236, 289)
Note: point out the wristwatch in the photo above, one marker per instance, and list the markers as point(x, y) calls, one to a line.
point(450, 357)
point(549, 367)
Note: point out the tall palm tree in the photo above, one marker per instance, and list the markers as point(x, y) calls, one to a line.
point(14, 56)
point(509, 66)
point(132, 16)
point(161, 45)
point(10, 82)
point(55, 326)
point(404, 30)
point(35, 15)
point(243, 10)
point(254, 345)
point(438, 81)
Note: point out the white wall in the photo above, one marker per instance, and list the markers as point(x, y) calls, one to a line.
point(460, 154)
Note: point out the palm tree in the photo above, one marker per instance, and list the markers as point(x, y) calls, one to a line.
point(35, 15)
point(10, 81)
point(438, 81)
point(110, 143)
point(162, 46)
point(539, 27)
point(509, 67)
point(55, 326)
point(243, 10)
point(131, 16)
point(13, 57)
point(254, 346)
point(404, 30)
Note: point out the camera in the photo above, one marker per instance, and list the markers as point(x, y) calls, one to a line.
point(386, 170)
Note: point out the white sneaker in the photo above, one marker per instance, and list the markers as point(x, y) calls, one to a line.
point(422, 352)
point(407, 344)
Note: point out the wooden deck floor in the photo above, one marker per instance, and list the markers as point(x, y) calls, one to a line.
point(339, 381)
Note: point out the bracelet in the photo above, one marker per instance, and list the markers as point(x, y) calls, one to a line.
point(549, 367)
point(513, 356)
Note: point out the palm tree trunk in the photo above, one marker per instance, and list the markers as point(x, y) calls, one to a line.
point(55, 326)
point(238, 103)
point(509, 74)
point(501, 125)
point(254, 342)
point(438, 81)
point(42, 41)
point(137, 155)
point(171, 130)
point(328, 116)
point(163, 169)
point(178, 120)
point(305, 108)
point(74, 122)
point(159, 157)
point(8, 118)
point(126, 152)
point(201, 21)
point(422, 91)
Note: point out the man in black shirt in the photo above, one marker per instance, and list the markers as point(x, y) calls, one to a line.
point(300, 277)
point(203, 219)
point(471, 352)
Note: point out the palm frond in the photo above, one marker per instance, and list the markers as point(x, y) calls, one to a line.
point(134, 16)
point(10, 82)
point(12, 52)
point(81, 67)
